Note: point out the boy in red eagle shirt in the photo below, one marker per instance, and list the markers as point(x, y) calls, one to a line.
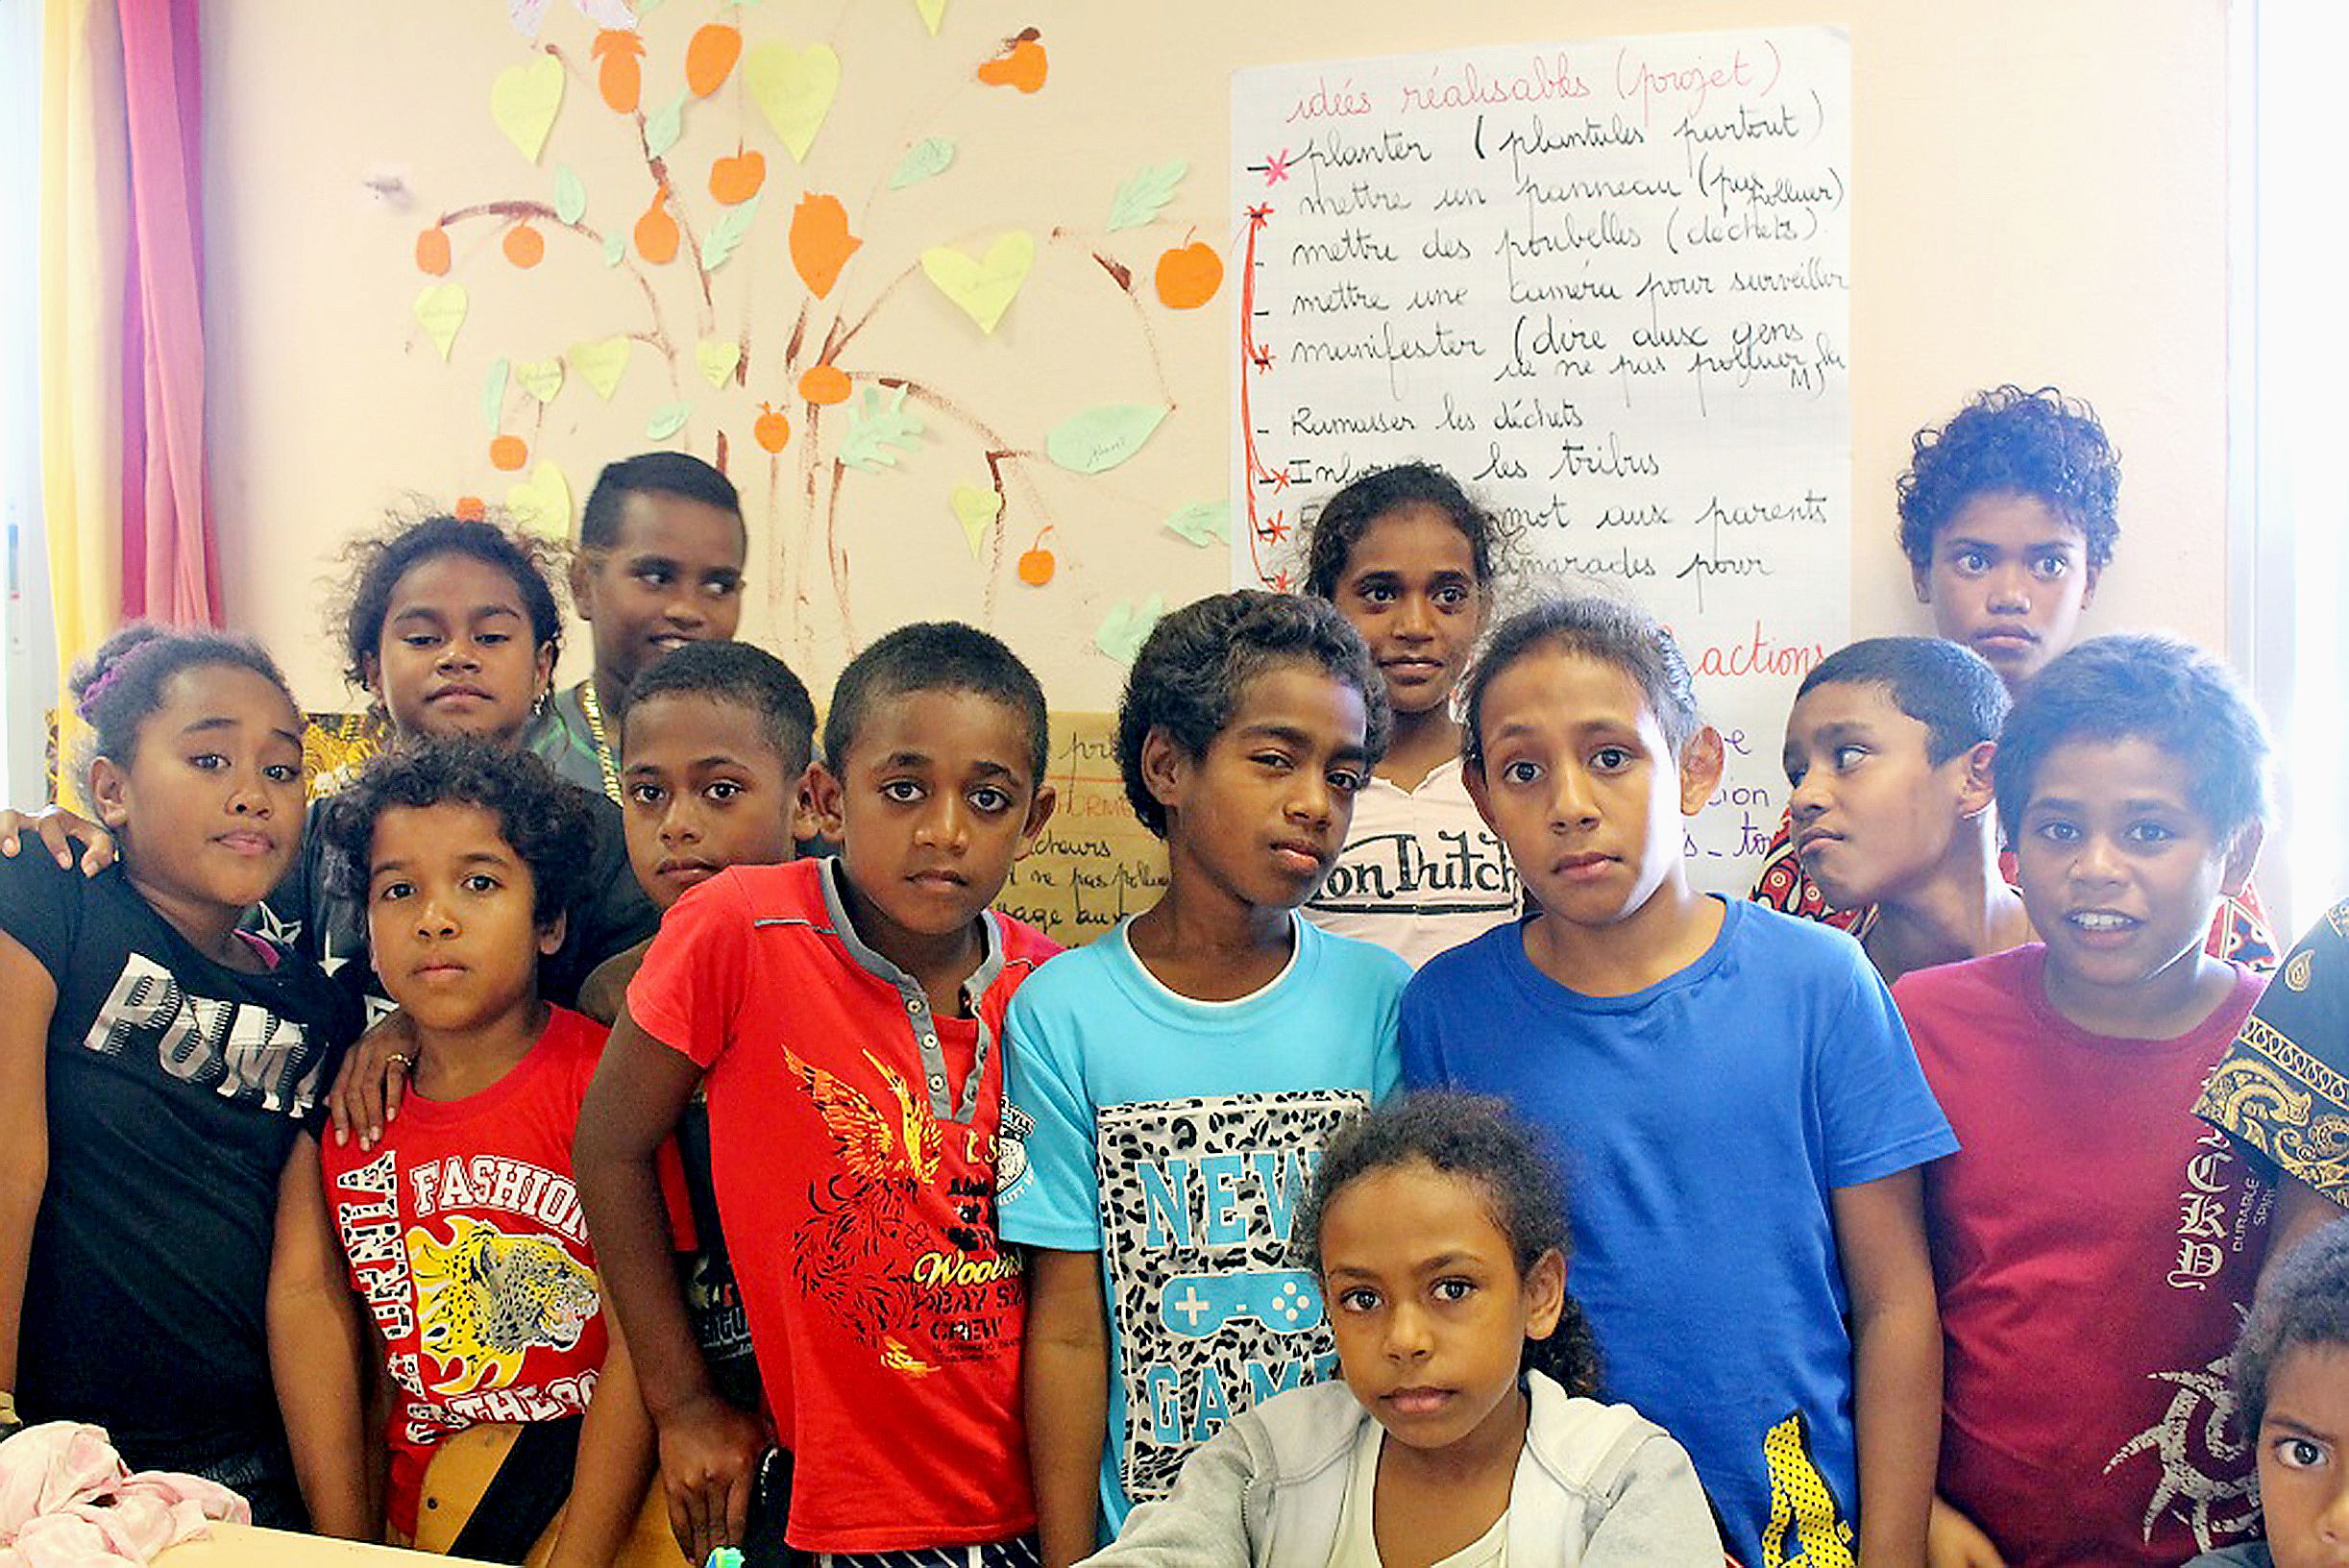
point(848, 1014)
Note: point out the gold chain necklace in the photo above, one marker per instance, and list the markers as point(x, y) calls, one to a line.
point(594, 709)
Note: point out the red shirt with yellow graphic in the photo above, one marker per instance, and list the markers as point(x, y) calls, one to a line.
point(852, 1147)
point(465, 1240)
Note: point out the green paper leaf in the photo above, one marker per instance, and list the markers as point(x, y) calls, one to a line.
point(570, 195)
point(1203, 523)
point(1123, 630)
point(493, 394)
point(1103, 436)
point(1145, 192)
point(728, 232)
point(874, 427)
point(615, 249)
point(646, 8)
point(925, 159)
point(664, 126)
point(666, 421)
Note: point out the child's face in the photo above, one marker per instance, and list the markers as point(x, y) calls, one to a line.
point(449, 917)
point(212, 794)
point(2008, 578)
point(1581, 785)
point(1410, 589)
point(2120, 868)
point(456, 656)
point(2304, 1458)
point(703, 789)
point(672, 575)
point(1429, 1309)
point(933, 802)
point(1264, 811)
point(1873, 815)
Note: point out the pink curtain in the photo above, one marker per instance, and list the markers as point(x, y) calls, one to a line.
point(170, 566)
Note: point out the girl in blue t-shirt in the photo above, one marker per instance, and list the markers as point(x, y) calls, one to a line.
point(1409, 559)
point(1463, 1432)
point(156, 1064)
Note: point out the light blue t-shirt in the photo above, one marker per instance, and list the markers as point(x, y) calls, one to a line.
point(1177, 1139)
point(1705, 1121)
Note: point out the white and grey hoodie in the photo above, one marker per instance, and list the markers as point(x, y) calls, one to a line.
point(1596, 1486)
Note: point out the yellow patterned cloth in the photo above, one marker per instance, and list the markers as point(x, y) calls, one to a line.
point(2282, 1091)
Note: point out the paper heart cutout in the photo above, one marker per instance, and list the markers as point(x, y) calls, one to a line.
point(975, 507)
point(982, 288)
point(542, 503)
point(440, 310)
point(1125, 628)
point(793, 89)
point(524, 99)
point(717, 360)
point(933, 11)
point(542, 378)
point(602, 362)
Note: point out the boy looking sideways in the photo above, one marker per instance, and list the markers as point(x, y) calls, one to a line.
point(2094, 1244)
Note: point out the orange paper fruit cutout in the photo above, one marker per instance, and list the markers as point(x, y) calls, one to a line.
point(524, 245)
point(1036, 566)
point(710, 56)
point(469, 509)
point(1189, 276)
point(1021, 64)
point(772, 430)
point(824, 385)
point(821, 243)
point(734, 181)
point(432, 251)
point(620, 77)
point(656, 231)
point(508, 453)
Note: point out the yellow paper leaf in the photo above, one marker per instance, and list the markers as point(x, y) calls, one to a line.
point(933, 11)
point(523, 100)
point(602, 362)
point(982, 288)
point(793, 89)
point(717, 360)
point(542, 378)
point(976, 507)
point(440, 310)
point(542, 503)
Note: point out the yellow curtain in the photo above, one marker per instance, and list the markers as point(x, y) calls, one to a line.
point(84, 224)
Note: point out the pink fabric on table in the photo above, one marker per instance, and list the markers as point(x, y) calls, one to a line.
point(66, 1502)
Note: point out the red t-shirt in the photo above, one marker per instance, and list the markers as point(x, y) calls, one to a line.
point(465, 1240)
point(2096, 1247)
point(852, 1146)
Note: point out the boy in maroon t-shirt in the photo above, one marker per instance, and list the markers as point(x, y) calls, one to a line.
point(848, 1014)
point(2096, 1245)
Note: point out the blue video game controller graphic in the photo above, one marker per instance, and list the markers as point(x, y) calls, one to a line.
point(1284, 1300)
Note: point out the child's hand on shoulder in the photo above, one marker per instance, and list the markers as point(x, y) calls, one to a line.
point(373, 1080)
point(58, 828)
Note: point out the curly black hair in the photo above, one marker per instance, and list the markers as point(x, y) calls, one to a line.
point(2040, 444)
point(543, 817)
point(1191, 669)
point(652, 472)
point(2304, 1303)
point(1608, 630)
point(936, 656)
point(377, 565)
point(1330, 538)
point(1479, 1140)
point(2136, 686)
point(119, 685)
point(739, 673)
point(1944, 686)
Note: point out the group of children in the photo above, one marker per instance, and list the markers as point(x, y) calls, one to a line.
point(878, 1227)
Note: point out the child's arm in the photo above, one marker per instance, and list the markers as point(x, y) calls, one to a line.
point(58, 828)
point(1954, 1541)
point(1896, 1361)
point(1654, 1514)
point(709, 1450)
point(315, 1346)
point(24, 1131)
point(1066, 1386)
point(608, 1484)
point(1203, 1523)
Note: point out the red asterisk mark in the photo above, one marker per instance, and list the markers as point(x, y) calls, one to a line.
point(1279, 582)
point(1260, 356)
point(1274, 530)
point(1279, 480)
point(1276, 167)
point(1259, 217)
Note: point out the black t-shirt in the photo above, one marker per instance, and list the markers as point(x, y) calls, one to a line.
point(176, 1087)
point(608, 915)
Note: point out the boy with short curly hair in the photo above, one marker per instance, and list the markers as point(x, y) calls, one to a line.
point(1174, 1081)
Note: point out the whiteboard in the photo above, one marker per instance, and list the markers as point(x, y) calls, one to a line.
point(1606, 284)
